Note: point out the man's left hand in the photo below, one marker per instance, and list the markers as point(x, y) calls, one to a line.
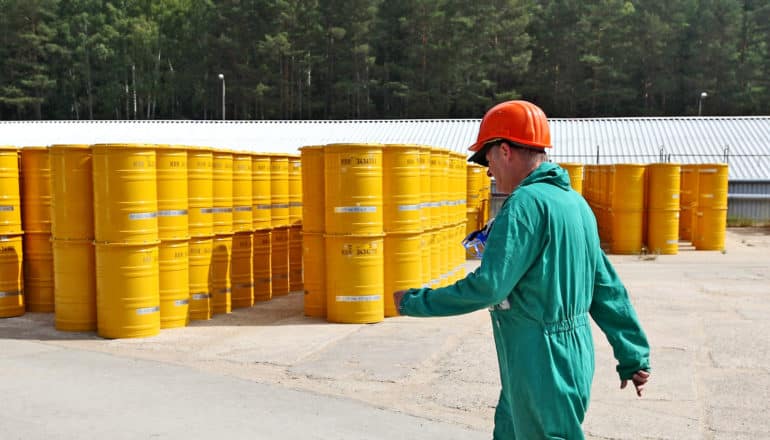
point(640, 378)
point(397, 299)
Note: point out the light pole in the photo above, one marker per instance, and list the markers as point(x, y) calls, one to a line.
point(703, 95)
point(222, 77)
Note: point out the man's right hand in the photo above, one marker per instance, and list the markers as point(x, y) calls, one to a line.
point(397, 299)
point(640, 378)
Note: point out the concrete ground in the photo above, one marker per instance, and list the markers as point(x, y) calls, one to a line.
point(270, 373)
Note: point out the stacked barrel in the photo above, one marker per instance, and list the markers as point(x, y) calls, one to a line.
point(477, 197)
point(242, 269)
point(281, 223)
point(36, 222)
point(200, 196)
point(663, 181)
point(711, 219)
point(295, 222)
point(262, 226)
point(11, 243)
point(575, 171)
point(313, 229)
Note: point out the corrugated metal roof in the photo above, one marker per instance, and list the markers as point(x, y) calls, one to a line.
point(641, 140)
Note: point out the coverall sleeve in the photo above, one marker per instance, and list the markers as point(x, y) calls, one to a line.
point(612, 310)
point(511, 248)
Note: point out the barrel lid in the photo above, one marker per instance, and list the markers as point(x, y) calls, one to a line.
point(311, 147)
point(349, 146)
point(221, 152)
point(8, 147)
point(172, 147)
point(293, 156)
point(70, 147)
point(242, 153)
point(199, 149)
point(34, 148)
point(402, 146)
point(125, 146)
point(260, 155)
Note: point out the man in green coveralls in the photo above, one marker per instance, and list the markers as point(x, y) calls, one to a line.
point(542, 274)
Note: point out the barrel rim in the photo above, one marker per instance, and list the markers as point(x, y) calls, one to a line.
point(55, 147)
point(125, 146)
point(353, 146)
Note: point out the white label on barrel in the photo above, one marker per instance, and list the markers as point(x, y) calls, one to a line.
point(707, 196)
point(147, 310)
point(461, 201)
point(6, 208)
point(295, 204)
point(207, 210)
point(242, 209)
point(199, 296)
point(181, 302)
point(362, 298)
point(280, 205)
point(221, 210)
point(172, 212)
point(7, 294)
point(142, 215)
point(344, 209)
point(408, 207)
point(264, 206)
point(675, 196)
point(672, 241)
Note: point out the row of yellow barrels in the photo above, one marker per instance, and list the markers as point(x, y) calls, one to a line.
point(377, 219)
point(124, 220)
point(478, 197)
point(639, 206)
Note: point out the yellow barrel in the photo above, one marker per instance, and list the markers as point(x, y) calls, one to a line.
point(710, 230)
point(354, 279)
point(472, 222)
point(295, 258)
point(10, 198)
point(461, 189)
point(425, 188)
point(474, 177)
point(242, 271)
point(403, 266)
point(242, 192)
point(174, 283)
point(11, 278)
point(74, 285)
point(444, 237)
point(279, 190)
point(173, 196)
point(626, 232)
point(712, 186)
point(313, 260)
point(260, 192)
point(279, 261)
point(425, 254)
point(72, 207)
point(220, 274)
point(437, 187)
point(459, 251)
point(127, 290)
point(200, 192)
point(401, 188)
point(627, 188)
point(223, 192)
point(125, 193)
point(435, 257)
point(312, 158)
point(664, 186)
point(36, 187)
point(575, 171)
point(263, 286)
point(663, 231)
point(200, 288)
point(38, 272)
point(353, 189)
point(688, 194)
point(295, 190)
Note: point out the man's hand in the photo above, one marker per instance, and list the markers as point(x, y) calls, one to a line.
point(397, 299)
point(640, 379)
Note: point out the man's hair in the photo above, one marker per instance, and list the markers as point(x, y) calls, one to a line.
point(533, 156)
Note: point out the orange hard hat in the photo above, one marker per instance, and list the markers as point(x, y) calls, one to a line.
point(519, 122)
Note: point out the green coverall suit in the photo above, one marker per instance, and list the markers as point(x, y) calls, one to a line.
point(543, 272)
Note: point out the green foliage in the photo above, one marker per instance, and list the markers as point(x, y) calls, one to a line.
point(303, 59)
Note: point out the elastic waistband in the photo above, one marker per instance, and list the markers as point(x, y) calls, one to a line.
point(566, 325)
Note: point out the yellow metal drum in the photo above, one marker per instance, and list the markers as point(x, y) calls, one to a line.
point(626, 232)
point(200, 287)
point(260, 192)
point(434, 237)
point(628, 188)
point(74, 285)
point(10, 198)
point(174, 283)
point(353, 189)
point(425, 256)
point(575, 171)
point(664, 186)
point(279, 190)
point(279, 261)
point(688, 201)
point(710, 230)
point(354, 279)
point(444, 258)
point(125, 193)
point(173, 196)
point(72, 207)
point(242, 192)
point(401, 188)
point(663, 232)
point(460, 188)
point(437, 187)
point(403, 266)
point(295, 190)
point(127, 290)
point(220, 274)
point(36, 187)
point(295, 258)
point(263, 286)
point(712, 186)
point(313, 258)
point(475, 175)
point(38, 272)
point(200, 192)
point(313, 189)
point(11, 278)
point(242, 274)
point(425, 188)
point(223, 192)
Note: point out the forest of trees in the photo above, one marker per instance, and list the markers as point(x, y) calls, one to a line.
point(365, 59)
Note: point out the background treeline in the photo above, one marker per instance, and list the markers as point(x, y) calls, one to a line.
point(340, 59)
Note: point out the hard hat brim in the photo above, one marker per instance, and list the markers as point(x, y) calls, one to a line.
point(480, 157)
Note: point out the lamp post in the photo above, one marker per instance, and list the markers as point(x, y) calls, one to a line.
point(222, 77)
point(703, 95)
